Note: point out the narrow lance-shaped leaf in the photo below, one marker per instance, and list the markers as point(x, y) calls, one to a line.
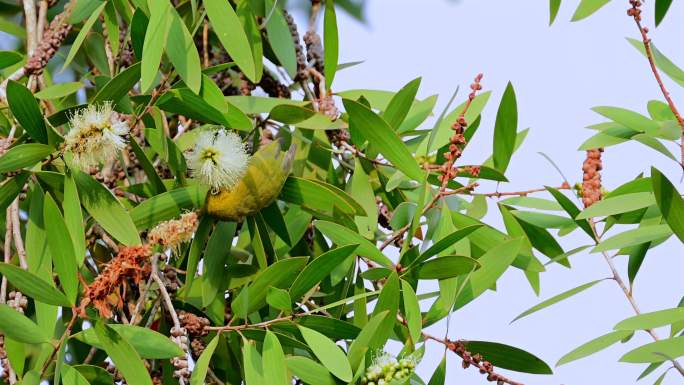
point(155, 40)
point(594, 346)
point(126, 359)
point(652, 320)
point(33, 286)
point(555, 299)
point(230, 32)
point(275, 368)
point(199, 372)
point(380, 134)
point(669, 202)
point(330, 42)
point(25, 109)
point(328, 353)
point(61, 249)
point(505, 129)
point(587, 7)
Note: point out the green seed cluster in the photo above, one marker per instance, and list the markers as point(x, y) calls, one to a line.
point(387, 369)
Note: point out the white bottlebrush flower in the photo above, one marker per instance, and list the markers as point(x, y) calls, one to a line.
point(219, 159)
point(96, 135)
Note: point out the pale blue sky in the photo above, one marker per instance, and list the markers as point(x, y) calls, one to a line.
point(559, 73)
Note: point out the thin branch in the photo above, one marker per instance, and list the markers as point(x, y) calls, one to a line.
point(635, 13)
point(16, 232)
point(628, 294)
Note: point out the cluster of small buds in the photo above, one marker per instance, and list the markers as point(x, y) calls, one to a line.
point(458, 140)
point(326, 105)
point(270, 85)
point(171, 280)
point(591, 181)
point(299, 50)
point(338, 137)
point(314, 50)
point(484, 366)
point(5, 143)
point(172, 233)
point(53, 37)
point(386, 369)
point(384, 214)
point(194, 325)
point(126, 52)
point(197, 345)
point(179, 337)
point(246, 86)
point(116, 374)
point(4, 361)
point(17, 301)
point(635, 10)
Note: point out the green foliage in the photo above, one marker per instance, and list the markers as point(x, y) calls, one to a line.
point(316, 259)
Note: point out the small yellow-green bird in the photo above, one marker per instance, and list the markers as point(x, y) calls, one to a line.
point(259, 186)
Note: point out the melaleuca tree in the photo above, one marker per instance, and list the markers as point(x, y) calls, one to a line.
point(204, 204)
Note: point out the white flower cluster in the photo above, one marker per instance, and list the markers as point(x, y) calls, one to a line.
point(219, 159)
point(96, 135)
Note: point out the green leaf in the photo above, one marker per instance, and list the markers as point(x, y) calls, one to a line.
point(230, 32)
point(73, 218)
point(319, 268)
point(216, 256)
point(252, 364)
point(33, 286)
point(401, 102)
point(554, 6)
point(633, 237)
point(279, 275)
point(446, 242)
point(505, 129)
point(362, 190)
point(58, 90)
point(83, 33)
point(669, 202)
point(617, 205)
point(330, 355)
point(594, 346)
point(448, 266)
point(119, 85)
point(587, 7)
point(670, 348)
point(343, 236)
point(147, 342)
point(199, 372)
point(439, 375)
point(571, 209)
point(156, 37)
point(182, 52)
point(126, 359)
point(62, 248)
point(532, 202)
point(652, 320)
point(9, 58)
point(72, 376)
point(412, 313)
point(629, 119)
point(380, 134)
point(168, 205)
point(10, 188)
point(494, 263)
point(508, 357)
point(330, 327)
point(280, 38)
point(275, 368)
point(24, 155)
point(317, 195)
point(555, 299)
point(25, 109)
point(309, 371)
point(16, 326)
point(330, 42)
point(363, 342)
point(103, 206)
point(279, 299)
point(95, 374)
point(663, 62)
point(661, 8)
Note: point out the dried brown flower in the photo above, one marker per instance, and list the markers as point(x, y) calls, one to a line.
point(109, 288)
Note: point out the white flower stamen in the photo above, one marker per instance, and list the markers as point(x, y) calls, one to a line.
point(219, 159)
point(96, 135)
